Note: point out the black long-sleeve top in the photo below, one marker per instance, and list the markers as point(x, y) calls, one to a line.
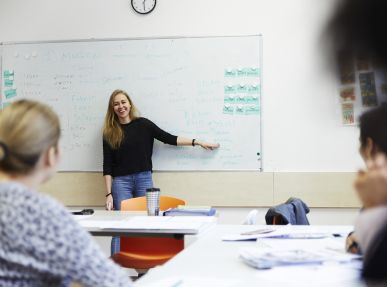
point(135, 152)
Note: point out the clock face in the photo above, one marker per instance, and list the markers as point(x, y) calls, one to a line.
point(143, 6)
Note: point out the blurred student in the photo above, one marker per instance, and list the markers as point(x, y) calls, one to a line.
point(358, 29)
point(40, 242)
point(373, 138)
point(373, 145)
point(371, 225)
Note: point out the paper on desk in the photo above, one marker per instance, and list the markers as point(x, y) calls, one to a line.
point(96, 223)
point(156, 225)
point(268, 258)
point(148, 222)
point(275, 234)
point(147, 219)
point(191, 282)
point(288, 232)
point(81, 217)
point(306, 276)
point(164, 222)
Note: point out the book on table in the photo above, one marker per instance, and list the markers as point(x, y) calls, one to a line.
point(190, 210)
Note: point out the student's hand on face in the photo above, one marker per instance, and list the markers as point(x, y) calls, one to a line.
point(109, 203)
point(208, 146)
point(371, 184)
point(351, 245)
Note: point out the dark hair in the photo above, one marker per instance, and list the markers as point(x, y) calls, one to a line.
point(358, 27)
point(373, 125)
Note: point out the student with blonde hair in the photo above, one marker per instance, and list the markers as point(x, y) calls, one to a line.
point(40, 242)
point(127, 151)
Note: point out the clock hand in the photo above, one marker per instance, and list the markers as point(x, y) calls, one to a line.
point(143, 3)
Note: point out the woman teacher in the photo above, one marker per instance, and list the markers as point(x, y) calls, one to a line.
point(127, 151)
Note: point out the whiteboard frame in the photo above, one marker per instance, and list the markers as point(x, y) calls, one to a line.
point(261, 154)
point(261, 99)
point(1, 75)
point(126, 39)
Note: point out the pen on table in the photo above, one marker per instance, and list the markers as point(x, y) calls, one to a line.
point(259, 231)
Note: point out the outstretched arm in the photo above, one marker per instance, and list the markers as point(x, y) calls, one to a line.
point(165, 137)
point(194, 142)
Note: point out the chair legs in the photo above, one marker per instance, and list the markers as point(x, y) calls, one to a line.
point(141, 272)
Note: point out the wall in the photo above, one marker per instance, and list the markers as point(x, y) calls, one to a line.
point(228, 189)
point(301, 116)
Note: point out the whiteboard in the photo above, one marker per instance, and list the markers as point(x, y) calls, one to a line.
point(205, 88)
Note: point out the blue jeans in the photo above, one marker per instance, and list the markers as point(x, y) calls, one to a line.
point(125, 187)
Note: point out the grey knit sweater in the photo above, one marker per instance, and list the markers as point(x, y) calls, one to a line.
point(42, 245)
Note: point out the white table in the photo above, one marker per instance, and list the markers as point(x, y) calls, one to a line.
point(213, 262)
point(136, 223)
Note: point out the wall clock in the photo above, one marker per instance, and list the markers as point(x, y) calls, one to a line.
point(143, 6)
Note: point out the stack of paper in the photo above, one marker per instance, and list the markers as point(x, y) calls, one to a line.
point(288, 232)
point(264, 259)
point(187, 210)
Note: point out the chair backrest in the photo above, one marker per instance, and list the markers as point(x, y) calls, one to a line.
point(139, 203)
point(151, 245)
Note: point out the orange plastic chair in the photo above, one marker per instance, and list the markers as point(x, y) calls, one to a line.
point(142, 253)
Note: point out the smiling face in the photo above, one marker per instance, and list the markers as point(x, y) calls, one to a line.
point(121, 107)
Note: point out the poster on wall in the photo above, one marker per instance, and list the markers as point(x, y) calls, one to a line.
point(362, 86)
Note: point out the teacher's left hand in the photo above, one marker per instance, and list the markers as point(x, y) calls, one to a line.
point(208, 146)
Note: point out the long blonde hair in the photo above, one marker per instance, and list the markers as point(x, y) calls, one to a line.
point(27, 129)
point(112, 131)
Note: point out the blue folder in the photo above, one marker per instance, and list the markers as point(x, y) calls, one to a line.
point(189, 212)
